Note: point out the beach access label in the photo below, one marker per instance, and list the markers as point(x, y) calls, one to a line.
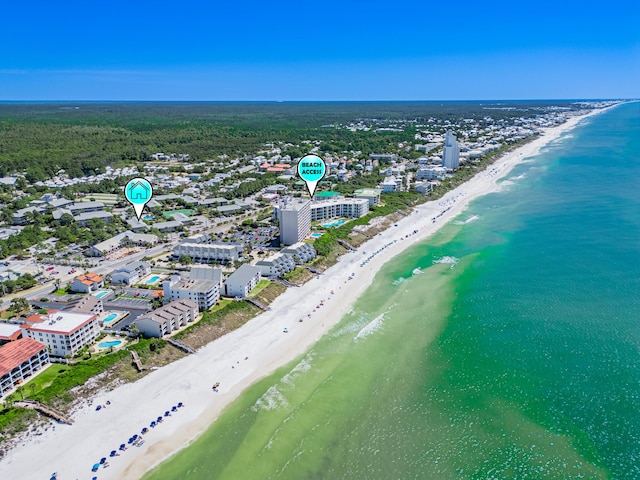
point(311, 169)
point(138, 191)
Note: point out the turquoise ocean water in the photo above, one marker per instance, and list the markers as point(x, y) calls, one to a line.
point(512, 352)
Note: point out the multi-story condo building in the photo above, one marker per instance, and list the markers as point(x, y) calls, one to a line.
point(203, 286)
point(451, 152)
point(339, 207)
point(294, 217)
point(167, 319)
point(19, 360)
point(64, 333)
point(276, 265)
point(206, 253)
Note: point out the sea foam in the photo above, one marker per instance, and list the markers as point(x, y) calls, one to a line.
point(371, 327)
point(446, 259)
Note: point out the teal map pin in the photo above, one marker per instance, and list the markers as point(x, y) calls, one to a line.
point(138, 191)
point(311, 169)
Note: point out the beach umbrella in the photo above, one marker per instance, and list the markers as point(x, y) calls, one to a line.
point(152, 424)
point(174, 408)
point(122, 446)
point(131, 440)
point(179, 404)
point(135, 436)
point(96, 466)
point(113, 453)
point(167, 413)
point(102, 460)
point(159, 419)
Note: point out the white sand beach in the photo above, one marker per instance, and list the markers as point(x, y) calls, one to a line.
point(72, 450)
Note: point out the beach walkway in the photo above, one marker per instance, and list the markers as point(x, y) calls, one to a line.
point(345, 244)
point(180, 345)
point(284, 282)
point(43, 409)
point(136, 361)
point(255, 302)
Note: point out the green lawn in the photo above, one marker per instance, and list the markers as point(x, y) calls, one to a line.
point(60, 292)
point(221, 304)
point(262, 284)
point(44, 379)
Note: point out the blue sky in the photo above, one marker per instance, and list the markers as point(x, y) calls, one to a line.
point(330, 50)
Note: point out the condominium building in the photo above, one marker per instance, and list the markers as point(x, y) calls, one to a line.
point(167, 319)
point(451, 152)
point(19, 360)
point(294, 217)
point(371, 194)
point(131, 273)
point(203, 286)
point(301, 252)
point(242, 281)
point(431, 173)
point(276, 265)
point(64, 333)
point(87, 304)
point(339, 207)
point(207, 253)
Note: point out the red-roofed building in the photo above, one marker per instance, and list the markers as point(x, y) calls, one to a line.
point(19, 360)
point(87, 283)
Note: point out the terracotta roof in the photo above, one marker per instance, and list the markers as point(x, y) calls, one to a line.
point(35, 318)
point(87, 282)
point(158, 293)
point(14, 353)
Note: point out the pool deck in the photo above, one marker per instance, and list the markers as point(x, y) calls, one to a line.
point(119, 316)
point(109, 338)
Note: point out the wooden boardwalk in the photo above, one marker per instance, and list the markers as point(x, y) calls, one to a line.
point(180, 345)
point(136, 360)
point(44, 410)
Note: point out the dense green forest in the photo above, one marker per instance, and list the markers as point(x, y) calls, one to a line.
point(82, 138)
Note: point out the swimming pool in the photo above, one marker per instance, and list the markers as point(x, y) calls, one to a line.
point(113, 343)
point(110, 318)
point(148, 217)
point(153, 279)
point(104, 293)
point(317, 235)
point(337, 223)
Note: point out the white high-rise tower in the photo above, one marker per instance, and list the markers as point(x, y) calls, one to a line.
point(451, 152)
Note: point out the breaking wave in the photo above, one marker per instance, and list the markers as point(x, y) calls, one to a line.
point(371, 327)
point(446, 259)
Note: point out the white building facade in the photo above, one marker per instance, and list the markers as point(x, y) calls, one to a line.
point(294, 218)
point(64, 333)
point(451, 152)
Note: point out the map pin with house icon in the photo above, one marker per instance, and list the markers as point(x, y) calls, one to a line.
point(138, 192)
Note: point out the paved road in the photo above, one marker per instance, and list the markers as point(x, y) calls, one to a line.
point(105, 268)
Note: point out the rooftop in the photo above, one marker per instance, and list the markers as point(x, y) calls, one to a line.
point(14, 353)
point(9, 331)
point(61, 322)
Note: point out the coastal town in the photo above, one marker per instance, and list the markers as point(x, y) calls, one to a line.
point(217, 236)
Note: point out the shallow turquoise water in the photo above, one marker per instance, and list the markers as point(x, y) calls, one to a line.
point(511, 352)
point(113, 343)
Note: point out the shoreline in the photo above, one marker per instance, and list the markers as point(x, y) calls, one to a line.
point(95, 433)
